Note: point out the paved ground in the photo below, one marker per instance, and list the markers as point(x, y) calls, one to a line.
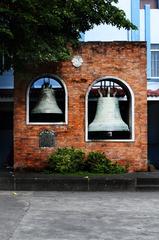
point(79, 216)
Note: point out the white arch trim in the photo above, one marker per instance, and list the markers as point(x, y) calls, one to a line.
point(132, 112)
point(27, 101)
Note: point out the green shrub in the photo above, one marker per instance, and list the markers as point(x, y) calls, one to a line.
point(66, 160)
point(97, 162)
point(116, 168)
point(72, 160)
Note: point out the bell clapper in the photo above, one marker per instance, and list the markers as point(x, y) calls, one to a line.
point(109, 133)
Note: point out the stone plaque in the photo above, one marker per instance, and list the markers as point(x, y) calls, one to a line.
point(47, 139)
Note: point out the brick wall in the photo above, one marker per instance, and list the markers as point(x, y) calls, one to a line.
point(124, 60)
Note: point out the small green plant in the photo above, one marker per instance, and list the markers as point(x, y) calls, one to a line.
point(116, 168)
point(97, 162)
point(66, 160)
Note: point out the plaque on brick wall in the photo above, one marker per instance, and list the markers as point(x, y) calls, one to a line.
point(47, 139)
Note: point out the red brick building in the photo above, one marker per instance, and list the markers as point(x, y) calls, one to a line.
point(120, 65)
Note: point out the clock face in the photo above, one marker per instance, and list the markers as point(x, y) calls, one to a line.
point(77, 61)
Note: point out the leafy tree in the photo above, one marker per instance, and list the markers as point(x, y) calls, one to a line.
point(34, 31)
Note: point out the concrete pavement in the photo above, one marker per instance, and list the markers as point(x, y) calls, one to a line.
point(79, 215)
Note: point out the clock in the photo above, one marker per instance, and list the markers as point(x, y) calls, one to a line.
point(77, 61)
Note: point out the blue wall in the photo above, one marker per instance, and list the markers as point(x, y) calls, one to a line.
point(135, 19)
point(148, 39)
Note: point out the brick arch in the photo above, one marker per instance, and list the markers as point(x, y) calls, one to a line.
point(130, 95)
point(58, 79)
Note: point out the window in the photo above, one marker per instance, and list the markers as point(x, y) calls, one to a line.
point(155, 60)
point(46, 101)
point(153, 3)
point(109, 111)
point(7, 79)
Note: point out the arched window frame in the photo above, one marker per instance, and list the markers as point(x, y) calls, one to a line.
point(131, 111)
point(66, 101)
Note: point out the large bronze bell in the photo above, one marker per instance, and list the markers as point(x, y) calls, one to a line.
point(47, 101)
point(108, 117)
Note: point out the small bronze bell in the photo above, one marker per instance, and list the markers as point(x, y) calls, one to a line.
point(108, 117)
point(47, 101)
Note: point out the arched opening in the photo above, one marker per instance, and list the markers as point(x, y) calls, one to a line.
point(47, 101)
point(109, 111)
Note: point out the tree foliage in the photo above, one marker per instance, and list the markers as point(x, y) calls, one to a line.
point(39, 31)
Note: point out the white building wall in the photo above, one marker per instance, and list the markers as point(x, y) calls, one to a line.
point(108, 32)
point(154, 25)
point(154, 19)
point(142, 25)
point(105, 33)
